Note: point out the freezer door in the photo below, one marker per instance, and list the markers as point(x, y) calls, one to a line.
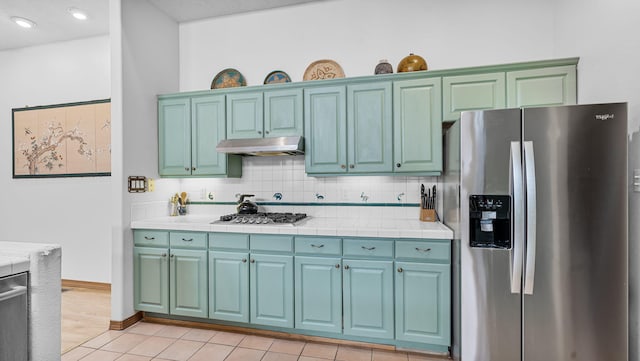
point(577, 309)
point(490, 313)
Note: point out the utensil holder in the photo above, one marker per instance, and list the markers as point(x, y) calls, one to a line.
point(428, 215)
point(182, 210)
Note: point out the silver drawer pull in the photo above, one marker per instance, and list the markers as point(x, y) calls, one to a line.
point(164, 255)
point(149, 238)
point(244, 260)
point(13, 292)
point(400, 270)
point(368, 248)
point(188, 240)
point(316, 246)
point(423, 249)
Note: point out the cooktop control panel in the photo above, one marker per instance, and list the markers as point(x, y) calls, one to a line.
point(490, 221)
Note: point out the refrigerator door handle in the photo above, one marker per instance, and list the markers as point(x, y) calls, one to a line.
point(530, 176)
point(516, 186)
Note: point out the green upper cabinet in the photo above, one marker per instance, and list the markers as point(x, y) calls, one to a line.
point(283, 113)
point(542, 87)
point(417, 125)
point(325, 130)
point(272, 113)
point(349, 129)
point(174, 136)
point(244, 115)
point(369, 128)
point(472, 92)
point(189, 128)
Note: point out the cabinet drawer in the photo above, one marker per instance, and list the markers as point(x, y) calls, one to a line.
point(194, 240)
point(368, 247)
point(424, 250)
point(151, 238)
point(319, 245)
point(271, 243)
point(229, 240)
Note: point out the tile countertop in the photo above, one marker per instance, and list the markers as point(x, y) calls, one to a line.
point(348, 227)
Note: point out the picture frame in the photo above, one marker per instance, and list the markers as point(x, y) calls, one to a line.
point(62, 140)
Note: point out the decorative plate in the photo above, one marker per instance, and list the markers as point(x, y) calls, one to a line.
point(323, 69)
point(277, 76)
point(228, 78)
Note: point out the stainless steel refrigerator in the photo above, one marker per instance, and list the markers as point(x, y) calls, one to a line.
point(537, 199)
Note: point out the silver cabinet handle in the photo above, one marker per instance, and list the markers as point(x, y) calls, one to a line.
point(13, 292)
point(368, 248)
point(346, 267)
point(423, 249)
point(516, 189)
point(266, 132)
point(343, 166)
point(244, 260)
point(186, 168)
point(398, 165)
point(530, 176)
point(149, 238)
point(316, 246)
point(400, 270)
point(351, 166)
point(172, 256)
point(164, 255)
point(259, 131)
point(338, 265)
point(188, 240)
point(253, 261)
point(194, 168)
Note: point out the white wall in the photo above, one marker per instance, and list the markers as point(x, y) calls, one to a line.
point(73, 212)
point(358, 33)
point(145, 63)
point(604, 34)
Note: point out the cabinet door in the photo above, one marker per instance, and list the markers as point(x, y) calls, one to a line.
point(472, 92)
point(325, 130)
point(174, 137)
point(369, 128)
point(271, 290)
point(208, 128)
point(229, 286)
point(417, 125)
point(368, 298)
point(423, 307)
point(188, 283)
point(151, 279)
point(542, 87)
point(283, 113)
point(244, 115)
point(318, 294)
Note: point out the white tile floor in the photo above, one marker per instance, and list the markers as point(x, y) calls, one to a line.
point(148, 341)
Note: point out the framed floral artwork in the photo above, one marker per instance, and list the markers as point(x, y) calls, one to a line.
point(62, 140)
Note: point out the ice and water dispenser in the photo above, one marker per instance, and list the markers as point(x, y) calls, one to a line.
point(490, 221)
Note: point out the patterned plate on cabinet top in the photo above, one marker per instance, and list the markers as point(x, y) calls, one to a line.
point(277, 76)
point(323, 69)
point(228, 78)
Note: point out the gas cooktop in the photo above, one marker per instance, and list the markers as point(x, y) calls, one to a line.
point(263, 218)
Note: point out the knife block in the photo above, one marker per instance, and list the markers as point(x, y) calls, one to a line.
point(428, 215)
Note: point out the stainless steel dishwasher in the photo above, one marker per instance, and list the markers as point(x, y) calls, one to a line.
point(14, 322)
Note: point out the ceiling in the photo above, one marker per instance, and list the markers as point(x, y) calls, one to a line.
point(55, 24)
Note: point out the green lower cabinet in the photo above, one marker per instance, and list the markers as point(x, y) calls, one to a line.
point(318, 294)
point(271, 290)
point(368, 298)
point(151, 279)
point(188, 283)
point(423, 302)
point(229, 286)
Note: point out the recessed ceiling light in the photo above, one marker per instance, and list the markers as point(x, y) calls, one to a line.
point(23, 22)
point(77, 13)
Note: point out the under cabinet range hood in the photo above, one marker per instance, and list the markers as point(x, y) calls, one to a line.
point(263, 146)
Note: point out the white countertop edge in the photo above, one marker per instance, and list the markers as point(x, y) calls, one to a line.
point(383, 228)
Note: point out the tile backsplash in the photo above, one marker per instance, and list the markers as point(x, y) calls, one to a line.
point(283, 179)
